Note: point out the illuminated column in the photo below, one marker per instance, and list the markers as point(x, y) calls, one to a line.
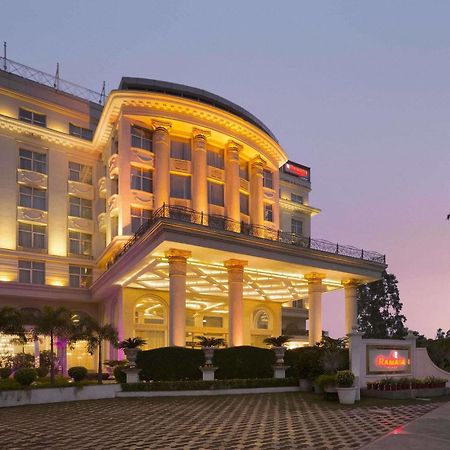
point(276, 205)
point(235, 269)
point(232, 198)
point(161, 148)
point(351, 310)
point(124, 140)
point(177, 296)
point(256, 192)
point(315, 289)
point(200, 171)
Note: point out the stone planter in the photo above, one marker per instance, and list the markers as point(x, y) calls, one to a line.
point(279, 354)
point(209, 354)
point(305, 385)
point(347, 396)
point(131, 354)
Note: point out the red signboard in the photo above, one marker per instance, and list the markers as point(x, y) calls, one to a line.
point(296, 170)
point(388, 360)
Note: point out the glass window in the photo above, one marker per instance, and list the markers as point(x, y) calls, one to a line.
point(83, 133)
point(213, 321)
point(268, 179)
point(80, 277)
point(180, 149)
point(141, 179)
point(80, 207)
point(80, 243)
point(244, 202)
point(33, 197)
point(139, 216)
point(296, 226)
point(215, 159)
point(215, 193)
point(243, 169)
point(297, 198)
point(141, 138)
point(35, 161)
point(268, 212)
point(31, 272)
point(32, 236)
point(32, 117)
point(180, 186)
point(261, 320)
point(80, 173)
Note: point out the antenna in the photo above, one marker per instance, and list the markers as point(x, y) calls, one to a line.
point(56, 83)
point(4, 55)
point(103, 94)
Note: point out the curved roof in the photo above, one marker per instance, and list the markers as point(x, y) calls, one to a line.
point(192, 93)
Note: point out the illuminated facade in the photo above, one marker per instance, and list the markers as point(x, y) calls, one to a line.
point(169, 212)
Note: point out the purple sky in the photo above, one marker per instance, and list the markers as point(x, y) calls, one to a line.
point(359, 91)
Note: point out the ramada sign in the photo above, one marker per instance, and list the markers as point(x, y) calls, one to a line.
point(388, 360)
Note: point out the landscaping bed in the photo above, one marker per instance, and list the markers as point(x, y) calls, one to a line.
point(398, 388)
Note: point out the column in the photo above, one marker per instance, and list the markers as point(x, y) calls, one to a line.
point(177, 296)
point(256, 192)
point(351, 309)
point(235, 269)
point(200, 171)
point(276, 205)
point(124, 184)
point(315, 290)
point(61, 354)
point(161, 149)
point(232, 182)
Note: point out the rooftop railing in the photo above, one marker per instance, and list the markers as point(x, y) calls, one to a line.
point(181, 214)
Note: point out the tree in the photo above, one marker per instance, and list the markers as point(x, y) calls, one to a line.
point(55, 323)
point(95, 334)
point(11, 322)
point(379, 309)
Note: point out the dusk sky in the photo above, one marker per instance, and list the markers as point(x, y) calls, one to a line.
point(358, 91)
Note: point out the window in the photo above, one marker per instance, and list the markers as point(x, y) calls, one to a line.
point(268, 179)
point(296, 226)
point(33, 198)
point(243, 170)
point(80, 173)
point(215, 159)
point(80, 243)
point(139, 217)
point(31, 272)
point(297, 198)
point(180, 149)
point(80, 277)
point(83, 133)
point(268, 212)
point(31, 117)
point(141, 179)
point(261, 320)
point(79, 207)
point(141, 138)
point(244, 202)
point(32, 236)
point(213, 321)
point(215, 193)
point(180, 187)
point(33, 161)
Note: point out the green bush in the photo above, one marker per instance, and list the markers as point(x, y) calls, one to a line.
point(209, 385)
point(25, 376)
point(5, 372)
point(119, 375)
point(42, 371)
point(22, 361)
point(304, 362)
point(325, 380)
point(345, 378)
point(78, 373)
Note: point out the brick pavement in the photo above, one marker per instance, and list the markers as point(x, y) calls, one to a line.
point(269, 421)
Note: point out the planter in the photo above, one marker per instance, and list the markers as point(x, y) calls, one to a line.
point(330, 389)
point(305, 385)
point(208, 352)
point(317, 389)
point(347, 396)
point(131, 354)
point(279, 355)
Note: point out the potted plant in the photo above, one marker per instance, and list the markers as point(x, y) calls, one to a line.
point(345, 389)
point(325, 383)
point(130, 347)
point(209, 344)
point(278, 347)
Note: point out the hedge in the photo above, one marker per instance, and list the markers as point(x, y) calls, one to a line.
point(209, 385)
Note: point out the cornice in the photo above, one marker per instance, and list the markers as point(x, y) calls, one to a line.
point(298, 207)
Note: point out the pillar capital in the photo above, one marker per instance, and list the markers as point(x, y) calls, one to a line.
point(235, 264)
point(258, 162)
point(160, 125)
point(351, 282)
point(234, 146)
point(314, 277)
point(198, 133)
point(175, 254)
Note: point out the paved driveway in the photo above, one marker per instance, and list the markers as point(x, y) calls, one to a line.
point(269, 421)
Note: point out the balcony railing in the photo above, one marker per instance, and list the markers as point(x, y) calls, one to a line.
point(222, 223)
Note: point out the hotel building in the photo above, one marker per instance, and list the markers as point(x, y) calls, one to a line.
point(165, 210)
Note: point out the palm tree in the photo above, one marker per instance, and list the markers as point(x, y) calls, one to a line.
point(95, 334)
point(276, 341)
point(11, 322)
point(55, 323)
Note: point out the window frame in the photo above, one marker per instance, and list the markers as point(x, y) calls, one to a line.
point(33, 162)
point(187, 194)
point(187, 148)
point(80, 132)
point(245, 211)
point(139, 218)
point(140, 179)
point(33, 119)
point(211, 194)
point(267, 179)
point(81, 240)
point(297, 221)
point(34, 232)
point(33, 198)
point(84, 280)
point(215, 158)
point(76, 174)
point(33, 270)
point(84, 206)
point(141, 137)
point(268, 212)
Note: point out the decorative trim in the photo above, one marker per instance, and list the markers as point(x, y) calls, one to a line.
point(31, 215)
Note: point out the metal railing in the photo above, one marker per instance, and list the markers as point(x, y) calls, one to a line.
point(222, 223)
point(53, 81)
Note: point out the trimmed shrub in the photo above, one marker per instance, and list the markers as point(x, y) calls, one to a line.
point(22, 361)
point(42, 371)
point(5, 372)
point(345, 378)
point(25, 376)
point(325, 380)
point(304, 362)
point(78, 373)
point(120, 376)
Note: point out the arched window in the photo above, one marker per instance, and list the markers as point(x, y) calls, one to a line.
point(150, 312)
point(261, 320)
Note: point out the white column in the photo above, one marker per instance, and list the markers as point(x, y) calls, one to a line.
point(177, 296)
point(161, 149)
point(235, 269)
point(124, 136)
point(200, 171)
point(256, 192)
point(276, 205)
point(315, 290)
point(232, 197)
point(351, 309)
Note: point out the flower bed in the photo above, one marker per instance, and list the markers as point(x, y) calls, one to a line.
point(399, 384)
